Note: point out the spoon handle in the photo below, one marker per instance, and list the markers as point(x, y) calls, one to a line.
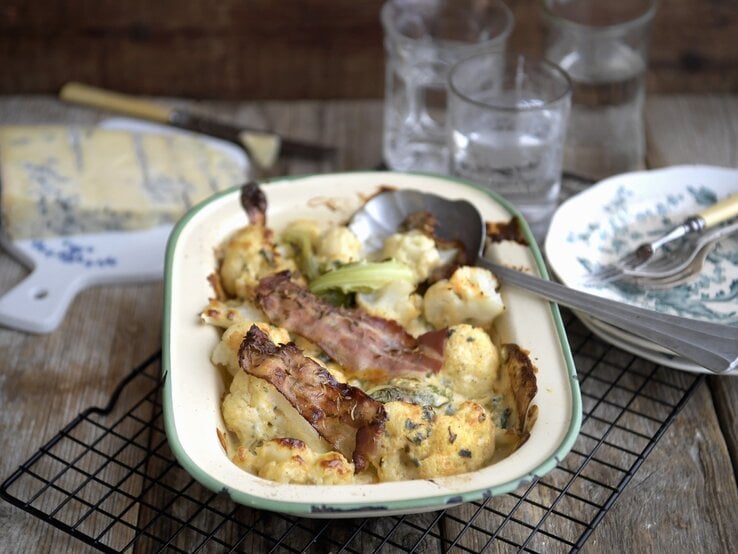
point(711, 345)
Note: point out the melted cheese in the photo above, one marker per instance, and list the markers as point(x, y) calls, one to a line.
point(69, 180)
point(461, 419)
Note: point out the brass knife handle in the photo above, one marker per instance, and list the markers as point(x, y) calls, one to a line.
point(87, 95)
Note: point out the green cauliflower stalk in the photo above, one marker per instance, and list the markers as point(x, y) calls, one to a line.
point(362, 277)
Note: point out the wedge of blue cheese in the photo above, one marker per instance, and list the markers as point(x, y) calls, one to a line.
point(58, 181)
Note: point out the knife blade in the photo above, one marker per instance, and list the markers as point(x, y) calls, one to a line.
point(262, 146)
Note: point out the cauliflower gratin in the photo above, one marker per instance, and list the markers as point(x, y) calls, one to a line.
point(344, 366)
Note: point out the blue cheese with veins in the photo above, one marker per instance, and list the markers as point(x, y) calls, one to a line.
point(58, 181)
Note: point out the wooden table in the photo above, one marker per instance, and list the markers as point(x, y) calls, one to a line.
point(683, 498)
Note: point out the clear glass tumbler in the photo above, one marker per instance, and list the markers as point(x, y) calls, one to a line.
point(603, 46)
point(423, 38)
point(507, 117)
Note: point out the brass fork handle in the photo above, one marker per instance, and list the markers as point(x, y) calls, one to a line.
point(721, 211)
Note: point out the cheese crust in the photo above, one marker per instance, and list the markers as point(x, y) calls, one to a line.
point(471, 413)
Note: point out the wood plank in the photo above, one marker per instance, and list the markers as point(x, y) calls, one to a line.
point(651, 511)
point(686, 129)
point(725, 397)
point(708, 134)
point(293, 49)
point(46, 380)
point(675, 501)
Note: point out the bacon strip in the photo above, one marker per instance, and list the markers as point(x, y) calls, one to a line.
point(350, 420)
point(375, 347)
point(254, 203)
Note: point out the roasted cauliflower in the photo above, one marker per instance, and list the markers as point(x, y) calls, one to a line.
point(292, 461)
point(396, 301)
point(415, 249)
point(248, 256)
point(337, 245)
point(421, 442)
point(294, 414)
point(225, 353)
point(469, 296)
point(470, 362)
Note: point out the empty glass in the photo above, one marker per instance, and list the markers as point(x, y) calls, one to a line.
point(423, 38)
point(603, 46)
point(507, 117)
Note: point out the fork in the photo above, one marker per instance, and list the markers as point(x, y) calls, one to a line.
point(678, 261)
point(704, 219)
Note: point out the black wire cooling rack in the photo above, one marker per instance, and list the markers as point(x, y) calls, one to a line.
point(109, 478)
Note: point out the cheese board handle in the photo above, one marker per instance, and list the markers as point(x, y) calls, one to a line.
point(38, 303)
point(63, 266)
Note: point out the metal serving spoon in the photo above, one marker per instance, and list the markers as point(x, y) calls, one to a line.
point(711, 345)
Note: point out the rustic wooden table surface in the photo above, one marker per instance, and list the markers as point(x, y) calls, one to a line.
point(682, 499)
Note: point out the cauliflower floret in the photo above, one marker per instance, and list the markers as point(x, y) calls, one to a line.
point(309, 228)
point(248, 257)
point(419, 327)
point(396, 301)
point(420, 442)
point(225, 352)
point(224, 314)
point(470, 362)
point(469, 296)
point(255, 412)
point(338, 245)
point(414, 249)
point(291, 461)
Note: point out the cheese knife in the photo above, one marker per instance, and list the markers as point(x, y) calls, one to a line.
point(263, 147)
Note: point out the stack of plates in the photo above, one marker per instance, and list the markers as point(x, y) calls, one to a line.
point(606, 221)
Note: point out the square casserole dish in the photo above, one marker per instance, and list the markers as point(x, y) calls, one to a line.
point(193, 387)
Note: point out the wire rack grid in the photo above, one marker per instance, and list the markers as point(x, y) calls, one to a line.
point(109, 479)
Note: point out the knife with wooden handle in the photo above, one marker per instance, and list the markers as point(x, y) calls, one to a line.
point(263, 147)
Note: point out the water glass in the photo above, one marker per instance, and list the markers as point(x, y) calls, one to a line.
point(507, 117)
point(423, 38)
point(603, 46)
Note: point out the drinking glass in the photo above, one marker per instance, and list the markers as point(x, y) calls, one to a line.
point(603, 46)
point(423, 38)
point(507, 117)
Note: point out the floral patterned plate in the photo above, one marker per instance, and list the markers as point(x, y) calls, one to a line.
point(601, 224)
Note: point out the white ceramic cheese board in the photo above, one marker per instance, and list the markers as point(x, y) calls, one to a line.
point(63, 266)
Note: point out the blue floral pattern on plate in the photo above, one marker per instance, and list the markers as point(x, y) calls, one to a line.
point(73, 252)
point(610, 219)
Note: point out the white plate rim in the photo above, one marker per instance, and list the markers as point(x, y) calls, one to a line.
point(622, 340)
point(593, 197)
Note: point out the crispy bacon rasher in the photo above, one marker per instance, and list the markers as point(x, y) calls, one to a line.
point(373, 347)
point(254, 203)
point(350, 420)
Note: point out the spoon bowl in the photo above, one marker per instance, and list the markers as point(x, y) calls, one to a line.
point(711, 345)
point(383, 215)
